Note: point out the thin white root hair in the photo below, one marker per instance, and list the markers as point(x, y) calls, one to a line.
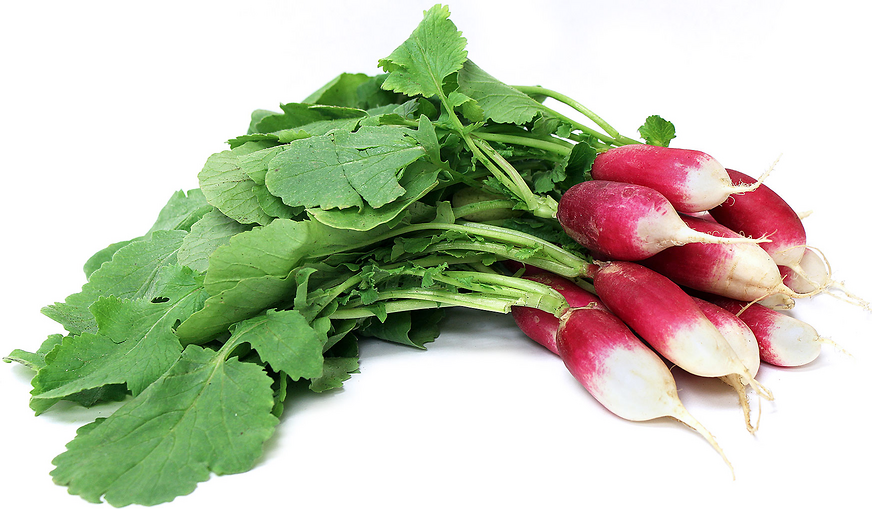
point(831, 284)
point(735, 382)
point(804, 214)
point(682, 415)
point(747, 188)
point(838, 347)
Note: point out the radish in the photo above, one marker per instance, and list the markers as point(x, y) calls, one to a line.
point(783, 340)
point(691, 180)
point(739, 271)
point(744, 343)
point(623, 374)
point(669, 320)
point(541, 326)
point(764, 214)
point(814, 275)
point(619, 221)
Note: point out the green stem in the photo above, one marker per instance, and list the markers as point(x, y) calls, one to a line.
point(540, 206)
point(572, 103)
point(482, 206)
point(510, 253)
point(397, 306)
point(563, 149)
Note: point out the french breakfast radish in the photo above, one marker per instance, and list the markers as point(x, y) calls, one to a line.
point(541, 326)
point(669, 320)
point(691, 180)
point(744, 343)
point(623, 374)
point(739, 271)
point(620, 221)
point(762, 213)
point(783, 340)
point(604, 355)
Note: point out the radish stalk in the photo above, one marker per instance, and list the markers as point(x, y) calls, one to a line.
point(541, 326)
point(619, 221)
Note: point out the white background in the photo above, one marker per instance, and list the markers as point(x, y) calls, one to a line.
point(109, 107)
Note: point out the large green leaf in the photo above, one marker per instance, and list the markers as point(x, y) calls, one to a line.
point(344, 169)
point(128, 275)
point(206, 414)
point(134, 344)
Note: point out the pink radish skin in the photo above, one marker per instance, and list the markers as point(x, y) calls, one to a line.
point(736, 332)
point(739, 271)
point(691, 180)
point(623, 374)
point(783, 340)
point(763, 214)
point(669, 320)
point(619, 221)
point(542, 326)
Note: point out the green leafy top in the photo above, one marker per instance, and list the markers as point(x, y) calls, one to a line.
point(327, 221)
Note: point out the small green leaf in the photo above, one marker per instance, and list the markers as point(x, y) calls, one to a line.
point(413, 328)
point(434, 50)
point(212, 231)
point(498, 101)
point(285, 341)
point(657, 131)
point(418, 179)
point(227, 186)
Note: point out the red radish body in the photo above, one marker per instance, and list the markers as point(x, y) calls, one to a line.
point(668, 319)
point(783, 340)
point(763, 214)
point(691, 180)
point(619, 221)
point(739, 271)
point(541, 326)
point(619, 371)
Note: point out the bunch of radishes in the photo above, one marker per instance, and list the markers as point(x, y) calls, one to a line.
point(662, 223)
